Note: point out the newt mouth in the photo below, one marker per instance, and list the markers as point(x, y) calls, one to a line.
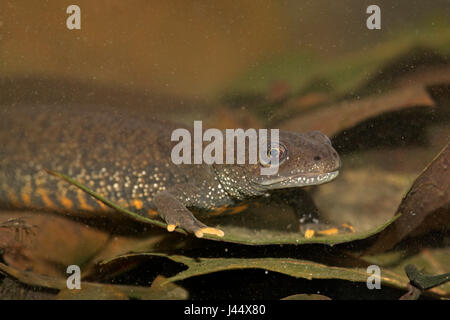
point(300, 180)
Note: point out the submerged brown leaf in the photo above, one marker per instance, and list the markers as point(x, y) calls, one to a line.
point(429, 193)
point(97, 291)
point(57, 242)
point(333, 119)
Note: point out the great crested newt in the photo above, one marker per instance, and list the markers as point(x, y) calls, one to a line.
point(126, 159)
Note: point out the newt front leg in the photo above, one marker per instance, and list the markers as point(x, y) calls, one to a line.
point(175, 214)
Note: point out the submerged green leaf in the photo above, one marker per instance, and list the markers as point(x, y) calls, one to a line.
point(306, 297)
point(240, 234)
point(289, 266)
point(344, 74)
point(425, 281)
point(430, 260)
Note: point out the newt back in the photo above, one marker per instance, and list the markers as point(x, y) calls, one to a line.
point(122, 157)
point(127, 160)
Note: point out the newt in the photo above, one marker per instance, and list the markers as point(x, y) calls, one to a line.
point(126, 159)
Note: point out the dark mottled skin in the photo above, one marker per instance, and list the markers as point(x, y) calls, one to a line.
point(127, 160)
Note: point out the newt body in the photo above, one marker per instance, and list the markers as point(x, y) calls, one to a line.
point(127, 160)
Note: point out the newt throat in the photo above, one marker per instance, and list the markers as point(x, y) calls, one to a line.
point(300, 180)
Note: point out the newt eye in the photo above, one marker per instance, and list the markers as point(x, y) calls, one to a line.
point(277, 149)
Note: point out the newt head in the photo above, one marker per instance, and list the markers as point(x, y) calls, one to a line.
point(304, 159)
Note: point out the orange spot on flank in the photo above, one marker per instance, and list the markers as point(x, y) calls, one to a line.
point(103, 206)
point(81, 196)
point(13, 199)
point(26, 199)
point(122, 203)
point(138, 204)
point(66, 202)
point(44, 196)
